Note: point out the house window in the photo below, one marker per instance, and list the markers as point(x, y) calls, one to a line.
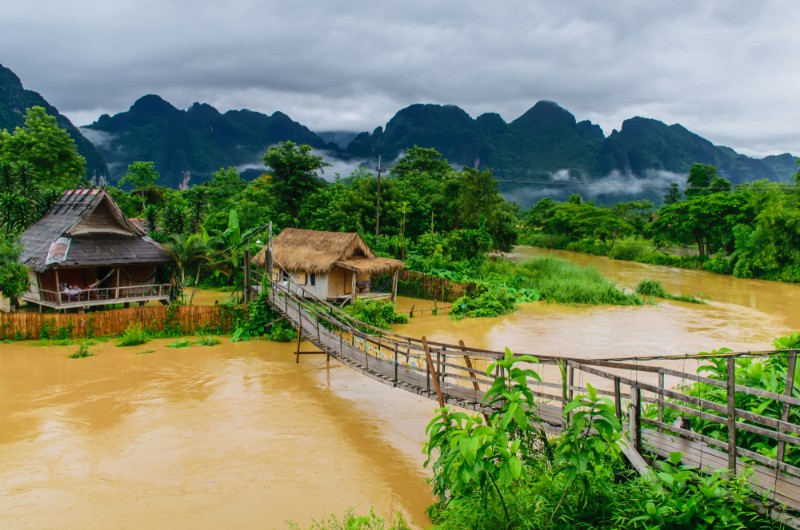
point(301, 278)
point(312, 279)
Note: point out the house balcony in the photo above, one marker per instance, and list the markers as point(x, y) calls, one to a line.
point(83, 298)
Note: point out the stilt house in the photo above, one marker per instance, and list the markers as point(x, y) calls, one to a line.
point(85, 252)
point(328, 265)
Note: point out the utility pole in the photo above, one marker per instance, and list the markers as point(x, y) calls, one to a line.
point(378, 200)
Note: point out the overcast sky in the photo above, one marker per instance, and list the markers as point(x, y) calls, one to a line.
point(727, 70)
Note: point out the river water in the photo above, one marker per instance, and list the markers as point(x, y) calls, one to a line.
point(239, 435)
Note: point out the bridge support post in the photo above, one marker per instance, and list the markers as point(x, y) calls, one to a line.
point(432, 372)
point(299, 337)
point(731, 416)
point(617, 398)
point(636, 419)
point(660, 399)
point(395, 365)
point(791, 363)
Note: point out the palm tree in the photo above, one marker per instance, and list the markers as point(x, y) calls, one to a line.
point(188, 253)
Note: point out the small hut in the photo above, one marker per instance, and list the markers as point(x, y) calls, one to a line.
point(329, 265)
point(85, 252)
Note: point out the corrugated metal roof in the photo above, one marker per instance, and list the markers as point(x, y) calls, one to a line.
point(93, 232)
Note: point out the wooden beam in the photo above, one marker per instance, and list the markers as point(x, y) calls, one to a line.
point(432, 372)
point(731, 419)
point(792, 363)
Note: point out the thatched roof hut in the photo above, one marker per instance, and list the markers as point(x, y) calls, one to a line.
point(333, 264)
point(296, 249)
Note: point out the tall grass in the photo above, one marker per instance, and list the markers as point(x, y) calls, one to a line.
point(561, 281)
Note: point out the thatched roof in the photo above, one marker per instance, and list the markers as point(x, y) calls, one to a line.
point(296, 249)
point(85, 227)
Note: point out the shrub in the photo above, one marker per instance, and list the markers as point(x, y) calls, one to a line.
point(631, 249)
point(207, 340)
point(379, 313)
point(654, 288)
point(180, 343)
point(133, 335)
point(82, 351)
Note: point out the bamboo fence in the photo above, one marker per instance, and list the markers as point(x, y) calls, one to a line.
point(187, 320)
point(420, 285)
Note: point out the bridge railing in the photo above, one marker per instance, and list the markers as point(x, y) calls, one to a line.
point(640, 392)
point(649, 402)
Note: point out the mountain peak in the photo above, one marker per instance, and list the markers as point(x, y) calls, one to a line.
point(152, 104)
point(7, 77)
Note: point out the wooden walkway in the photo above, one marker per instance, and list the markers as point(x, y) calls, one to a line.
point(637, 387)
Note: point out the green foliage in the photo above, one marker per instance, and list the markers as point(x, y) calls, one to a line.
point(294, 176)
point(769, 374)
point(655, 289)
point(631, 249)
point(262, 319)
point(378, 313)
point(13, 274)
point(133, 335)
point(474, 456)
point(491, 300)
point(81, 352)
point(180, 343)
point(207, 340)
point(352, 521)
point(140, 175)
point(48, 149)
point(502, 472)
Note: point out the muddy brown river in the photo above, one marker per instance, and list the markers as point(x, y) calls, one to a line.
point(238, 435)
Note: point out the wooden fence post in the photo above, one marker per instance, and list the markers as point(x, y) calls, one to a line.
point(660, 399)
point(791, 364)
point(570, 382)
point(395, 364)
point(432, 372)
point(617, 398)
point(636, 419)
point(731, 388)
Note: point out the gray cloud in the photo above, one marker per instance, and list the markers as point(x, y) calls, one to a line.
point(724, 69)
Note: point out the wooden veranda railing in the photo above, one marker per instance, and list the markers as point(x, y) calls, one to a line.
point(99, 295)
point(642, 390)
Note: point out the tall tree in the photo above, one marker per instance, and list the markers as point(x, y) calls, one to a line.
point(294, 177)
point(140, 175)
point(49, 150)
point(699, 180)
point(673, 195)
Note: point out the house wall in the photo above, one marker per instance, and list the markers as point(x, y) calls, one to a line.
point(320, 287)
point(340, 282)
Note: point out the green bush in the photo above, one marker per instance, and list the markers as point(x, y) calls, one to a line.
point(133, 335)
point(631, 249)
point(180, 343)
point(81, 352)
point(655, 289)
point(207, 340)
point(379, 313)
